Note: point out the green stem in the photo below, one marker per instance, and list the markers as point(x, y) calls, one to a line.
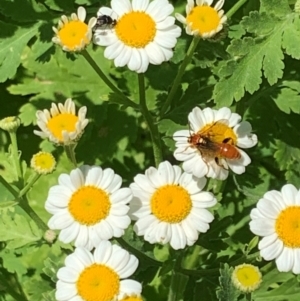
point(177, 80)
point(15, 154)
point(193, 258)
point(243, 259)
point(248, 297)
point(178, 280)
point(8, 187)
point(26, 207)
point(235, 7)
point(136, 252)
point(29, 185)
point(70, 151)
point(156, 140)
point(101, 74)
point(11, 285)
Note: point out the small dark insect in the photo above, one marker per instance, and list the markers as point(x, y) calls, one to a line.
point(105, 21)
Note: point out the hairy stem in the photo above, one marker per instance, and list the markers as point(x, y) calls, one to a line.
point(15, 155)
point(235, 8)
point(136, 252)
point(156, 140)
point(177, 80)
point(26, 207)
point(106, 80)
point(70, 151)
point(29, 185)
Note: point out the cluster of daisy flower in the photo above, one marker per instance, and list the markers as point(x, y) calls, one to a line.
point(168, 204)
point(140, 32)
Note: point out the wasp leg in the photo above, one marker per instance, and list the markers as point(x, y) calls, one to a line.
point(219, 163)
point(228, 140)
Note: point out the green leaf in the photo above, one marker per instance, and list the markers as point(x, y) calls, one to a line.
point(12, 46)
point(226, 291)
point(287, 100)
point(51, 268)
point(278, 287)
point(24, 11)
point(277, 7)
point(250, 56)
point(12, 263)
point(291, 39)
point(17, 231)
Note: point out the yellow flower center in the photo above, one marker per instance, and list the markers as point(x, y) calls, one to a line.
point(219, 132)
point(136, 29)
point(171, 203)
point(98, 283)
point(246, 277)
point(287, 226)
point(73, 33)
point(203, 18)
point(89, 205)
point(62, 122)
point(43, 162)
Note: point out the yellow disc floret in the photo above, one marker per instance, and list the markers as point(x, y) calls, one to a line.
point(171, 203)
point(219, 132)
point(203, 19)
point(62, 122)
point(98, 283)
point(89, 205)
point(43, 163)
point(136, 29)
point(246, 277)
point(288, 226)
point(73, 34)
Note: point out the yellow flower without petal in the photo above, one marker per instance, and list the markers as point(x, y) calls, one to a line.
point(246, 277)
point(73, 34)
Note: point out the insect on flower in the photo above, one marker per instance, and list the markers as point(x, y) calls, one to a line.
point(105, 21)
point(211, 147)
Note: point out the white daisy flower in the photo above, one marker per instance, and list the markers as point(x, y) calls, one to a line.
point(97, 276)
point(170, 206)
point(61, 124)
point(74, 34)
point(144, 33)
point(203, 20)
point(213, 143)
point(277, 219)
point(88, 206)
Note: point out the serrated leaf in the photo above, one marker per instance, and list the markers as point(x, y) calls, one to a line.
point(12, 47)
point(226, 291)
point(51, 268)
point(17, 231)
point(291, 39)
point(277, 7)
point(287, 100)
point(251, 56)
point(12, 263)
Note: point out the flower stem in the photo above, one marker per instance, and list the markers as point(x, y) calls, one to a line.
point(136, 252)
point(156, 140)
point(29, 185)
point(26, 207)
point(193, 258)
point(8, 187)
point(125, 100)
point(12, 286)
point(15, 155)
point(235, 8)
point(179, 75)
point(70, 151)
point(178, 280)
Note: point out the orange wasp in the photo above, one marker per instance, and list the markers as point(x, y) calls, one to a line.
point(205, 142)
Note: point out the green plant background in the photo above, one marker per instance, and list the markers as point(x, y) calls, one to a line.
point(253, 69)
